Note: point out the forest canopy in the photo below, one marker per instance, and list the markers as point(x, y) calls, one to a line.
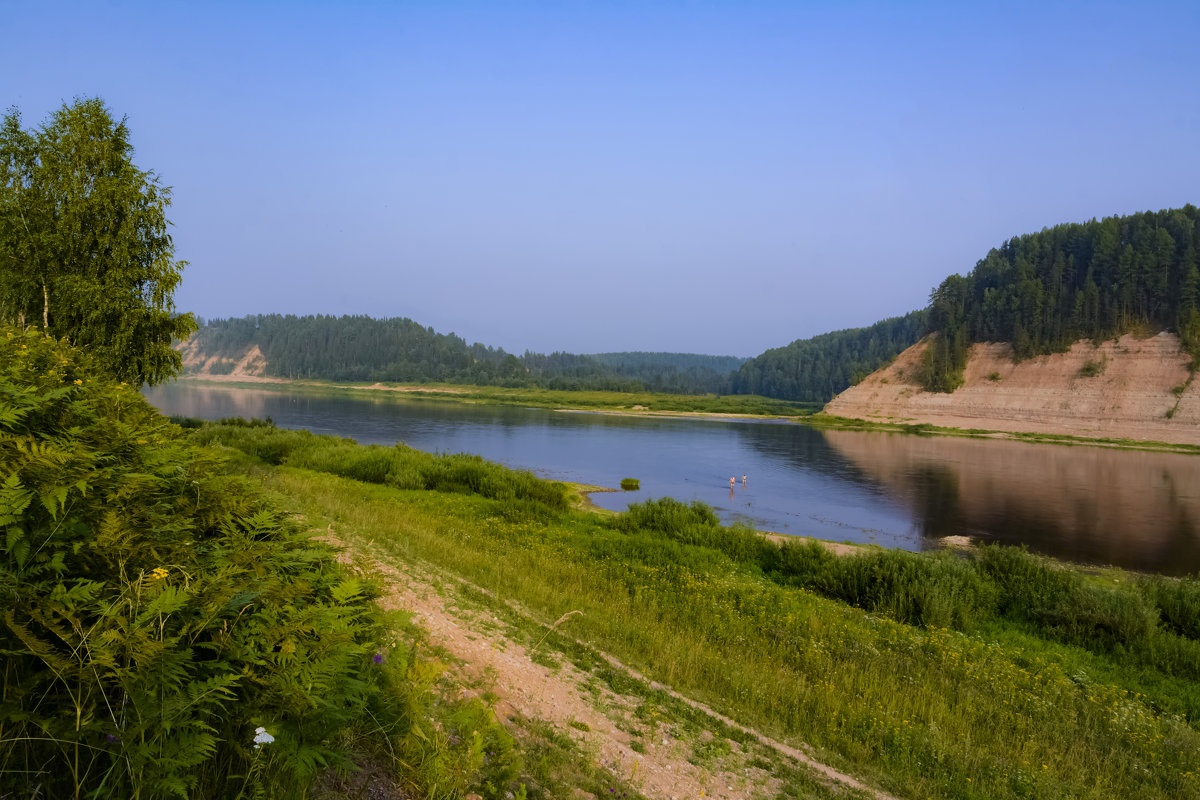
point(360, 348)
point(1045, 290)
point(816, 369)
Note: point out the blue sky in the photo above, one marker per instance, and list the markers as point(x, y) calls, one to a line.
point(717, 177)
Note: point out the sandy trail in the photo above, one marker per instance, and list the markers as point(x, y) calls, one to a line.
point(598, 719)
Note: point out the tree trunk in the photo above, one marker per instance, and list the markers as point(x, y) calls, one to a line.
point(45, 308)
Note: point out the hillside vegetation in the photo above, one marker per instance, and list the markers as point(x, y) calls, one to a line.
point(816, 369)
point(359, 348)
point(399, 350)
point(1095, 280)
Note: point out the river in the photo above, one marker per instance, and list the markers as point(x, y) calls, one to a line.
point(1086, 504)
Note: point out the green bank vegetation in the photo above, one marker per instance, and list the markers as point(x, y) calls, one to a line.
point(1001, 674)
point(621, 402)
point(168, 631)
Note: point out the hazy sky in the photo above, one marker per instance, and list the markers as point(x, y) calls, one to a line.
point(717, 177)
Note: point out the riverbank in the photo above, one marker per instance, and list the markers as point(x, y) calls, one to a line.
point(679, 406)
point(662, 651)
point(639, 403)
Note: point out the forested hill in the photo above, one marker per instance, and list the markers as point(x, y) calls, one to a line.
point(1043, 291)
point(673, 372)
point(360, 348)
point(814, 370)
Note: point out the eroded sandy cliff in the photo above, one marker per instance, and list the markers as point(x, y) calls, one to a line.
point(1124, 388)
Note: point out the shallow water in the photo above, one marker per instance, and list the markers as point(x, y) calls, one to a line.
point(1093, 505)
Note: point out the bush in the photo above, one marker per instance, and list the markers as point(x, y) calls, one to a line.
point(630, 484)
point(1058, 600)
point(668, 515)
point(156, 611)
point(1177, 601)
point(920, 589)
point(400, 466)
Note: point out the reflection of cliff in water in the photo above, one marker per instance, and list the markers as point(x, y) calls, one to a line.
point(1088, 504)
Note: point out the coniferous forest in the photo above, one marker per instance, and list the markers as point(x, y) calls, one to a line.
point(361, 348)
point(1040, 291)
point(814, 370)
point(1043, 291)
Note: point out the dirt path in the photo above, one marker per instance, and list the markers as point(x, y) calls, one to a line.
point(658, 758)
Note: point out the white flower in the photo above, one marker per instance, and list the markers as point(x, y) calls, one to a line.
point(261, 737)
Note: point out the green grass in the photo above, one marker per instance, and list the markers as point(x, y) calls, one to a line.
point(625, 402)
point(1014, 703)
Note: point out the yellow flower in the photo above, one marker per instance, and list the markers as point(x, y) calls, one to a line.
point(78, 382)
point(158, 574)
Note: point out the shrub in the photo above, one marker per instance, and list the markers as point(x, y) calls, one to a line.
point(399, 466)
point(630, 484)
point(1177, 601)
point(920, 589)
point(156, 611)
point(1058, 600)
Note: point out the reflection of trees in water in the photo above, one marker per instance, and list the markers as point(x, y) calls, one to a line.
point(806, 449)
point(1138, 510)
point(936, 501)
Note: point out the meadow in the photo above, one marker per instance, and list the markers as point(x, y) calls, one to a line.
point(999, 674)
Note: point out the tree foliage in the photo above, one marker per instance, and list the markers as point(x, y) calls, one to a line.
point(1045, 290)
point(84, 244)
point(816, 369)
point(359, 348)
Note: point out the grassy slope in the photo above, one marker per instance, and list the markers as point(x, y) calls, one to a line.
point(920, 712)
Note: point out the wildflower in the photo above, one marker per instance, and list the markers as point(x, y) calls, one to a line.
point(377, 658)
point(261, 737)
point(158, 573)
point(78, 382)
point(108, 737)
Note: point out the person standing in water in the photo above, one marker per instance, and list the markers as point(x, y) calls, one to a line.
point(743, 481)
point(731, 482)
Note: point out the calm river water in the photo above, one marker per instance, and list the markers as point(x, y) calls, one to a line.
point(1086, 504)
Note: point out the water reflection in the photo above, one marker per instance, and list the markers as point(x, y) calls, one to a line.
point(1140, 510)
point(1089, 504)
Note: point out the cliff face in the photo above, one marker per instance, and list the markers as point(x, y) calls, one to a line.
point(1124, 388)
point(197, 363)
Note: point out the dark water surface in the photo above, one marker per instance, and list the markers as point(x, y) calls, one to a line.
point(1086, 504)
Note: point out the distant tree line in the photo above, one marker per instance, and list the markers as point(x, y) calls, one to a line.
point(675, 373)
point(1043, 291)
point(360, 348)
point(814, 370)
